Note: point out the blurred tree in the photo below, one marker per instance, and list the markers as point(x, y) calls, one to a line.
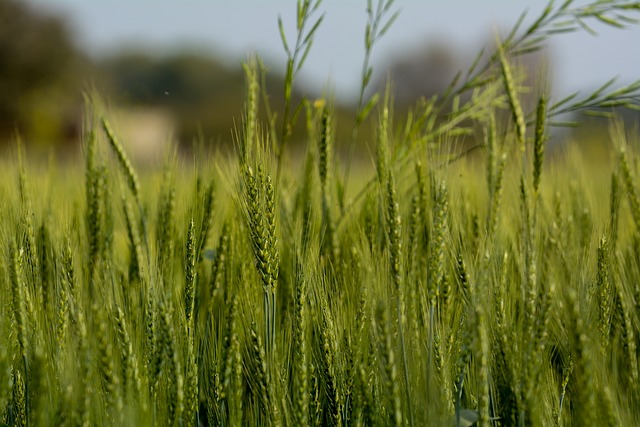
point(422, 72)
point(429, 69)
point(202, 94)
point(40, 93)
point(205, 96)
point(43, 75)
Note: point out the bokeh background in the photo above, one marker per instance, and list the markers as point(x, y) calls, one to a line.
point(171, 71)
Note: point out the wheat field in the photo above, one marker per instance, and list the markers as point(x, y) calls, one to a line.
point(440, 286)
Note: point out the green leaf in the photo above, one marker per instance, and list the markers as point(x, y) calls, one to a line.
point(527, 50)
point(388, 5)
point(545, 13)
point(283, 36)
point(301, 13)
point(367, 37)
point(296, 113)
point(515, 29)
point(565, 124)
point(585, 27)
point(613, 103)
point(304, 56)
point(601, 89)
point(632, 6)
point(313, 29)
point(561, 31)
point(627, 19)
point(608, 21)
point(563, 101)
point(633, 87)
point(367, 77)
point(597, 113)
point(452, 85)
point(476, 61)
point(564, 24)
point(367, 108)
point(388, 24)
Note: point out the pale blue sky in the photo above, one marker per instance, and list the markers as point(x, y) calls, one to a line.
point(235, 27)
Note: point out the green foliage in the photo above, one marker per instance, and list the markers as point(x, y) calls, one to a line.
point(39, 88)
point(143, 299)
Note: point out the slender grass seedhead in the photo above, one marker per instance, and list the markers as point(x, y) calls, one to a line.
point(19, 404)
point(382, 146)
point(251, 110)
point(136, 263)
point(260, 211)
point(496, 197)
point(190, 271)
point(331, 370)
point(219, 265)
point(539, 142)
point(623, 314)
point(169, 361)
point(106, 367)
point(436, 261)
point(191, 386)
point(129, 372)
point(131, 177)
point(483, 352)
point(492, 153)
point(47, 263)
point(324, 147)
point(301, 389)
point(512, 96)
point(604, 293)
point(94, 199)
point(614, 209)
point(305, 198)
point(235, 387)
point(268, 408)
point(585, 398)
point(390, 370)
point(230, 339)
point(18, 294)
point(165, 228)
point(394, 233)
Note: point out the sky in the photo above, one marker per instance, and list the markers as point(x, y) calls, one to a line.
point(234, 28)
